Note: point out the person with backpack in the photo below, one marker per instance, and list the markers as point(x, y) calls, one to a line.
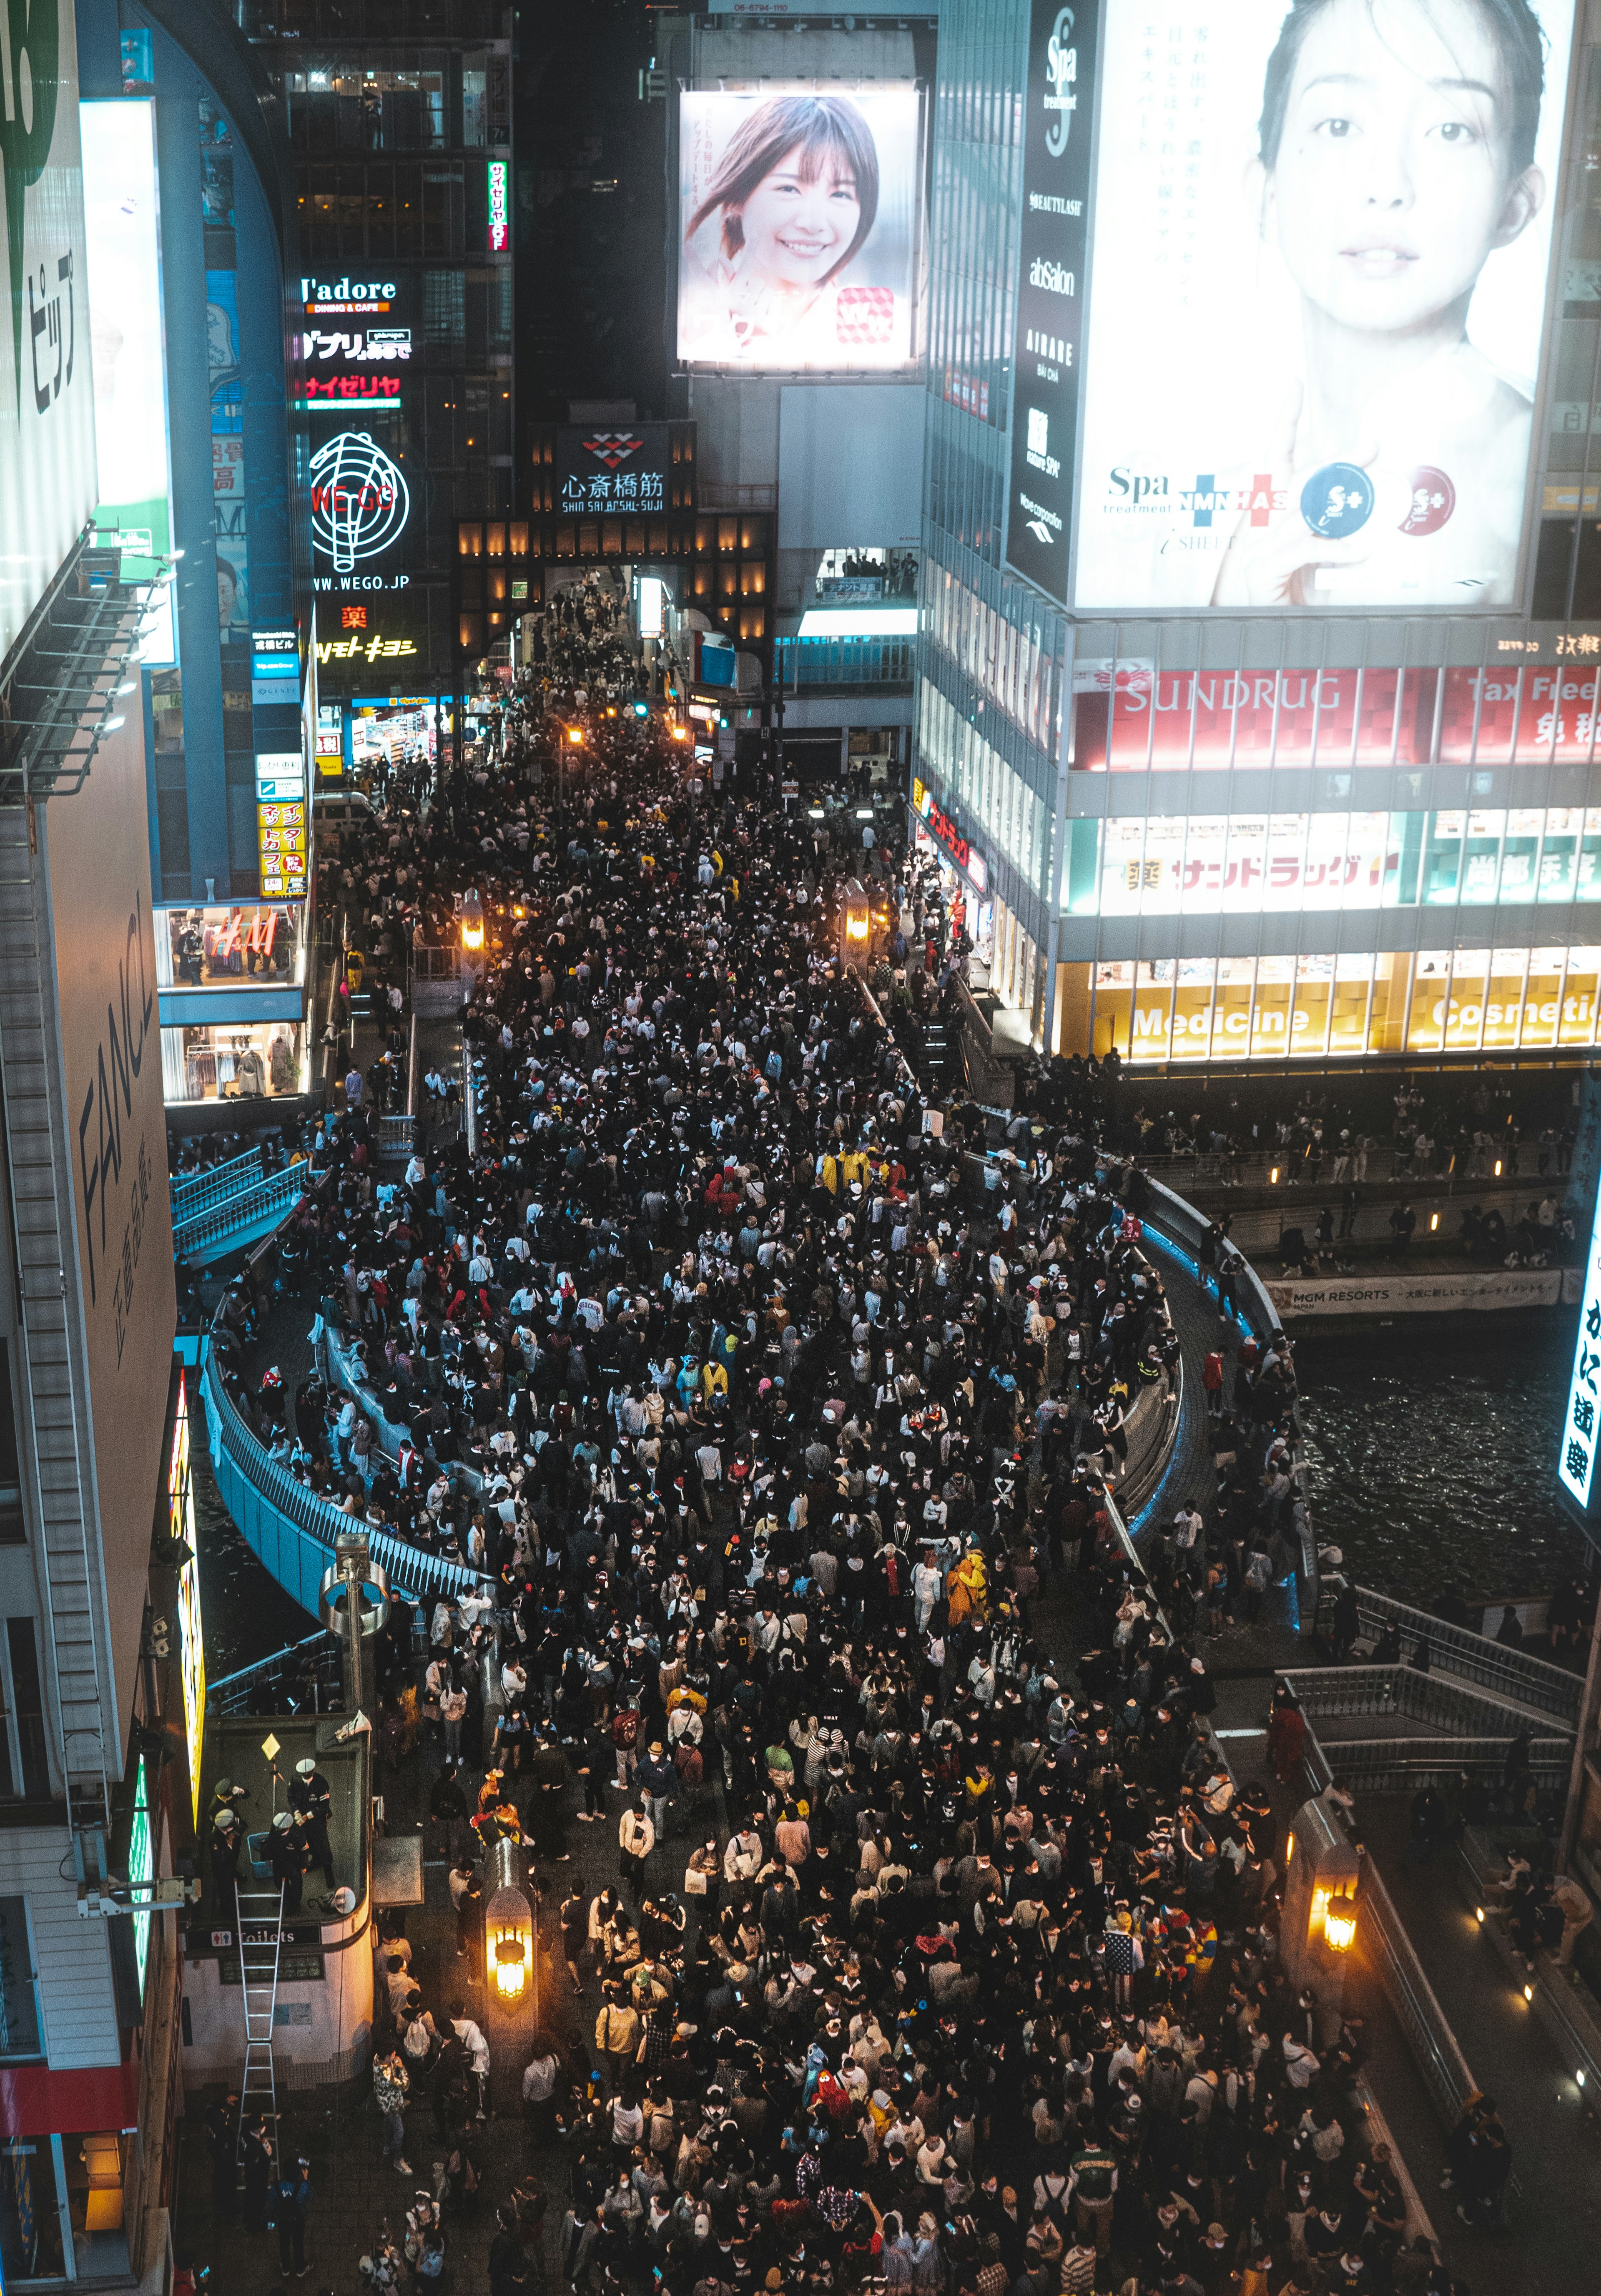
point(624, 1740)
point(1093, 2186)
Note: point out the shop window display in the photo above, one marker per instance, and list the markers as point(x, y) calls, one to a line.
point(259, 1062)
point(1274, 1007)
point(230, 948)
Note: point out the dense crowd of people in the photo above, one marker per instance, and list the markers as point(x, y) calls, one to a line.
point(942, 1953)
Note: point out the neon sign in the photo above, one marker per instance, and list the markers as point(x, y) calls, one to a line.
point(500, 228)
point(191, 1639)
point(1582, 1420)
point(946, 834)
point(360, 501)
point(142, 1871)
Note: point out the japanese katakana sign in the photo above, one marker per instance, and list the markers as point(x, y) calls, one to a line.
point(1576, 1443)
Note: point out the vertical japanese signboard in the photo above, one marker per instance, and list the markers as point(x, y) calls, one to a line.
point(1050, 291)
point(1582, 1420)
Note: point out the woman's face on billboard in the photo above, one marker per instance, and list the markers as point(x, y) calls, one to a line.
point(1393, 180)
point(796, 230)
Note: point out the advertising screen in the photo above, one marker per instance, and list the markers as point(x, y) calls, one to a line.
point(191, 1633)
point(120, 225)
point(1049, 342)
point(1576, 1446)
point(1321, 238)
point(799, 227)
point(47, 475)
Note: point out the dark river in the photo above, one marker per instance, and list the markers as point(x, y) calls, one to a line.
point(1434, 1454)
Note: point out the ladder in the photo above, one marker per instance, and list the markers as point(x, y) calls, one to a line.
point(260, 1916)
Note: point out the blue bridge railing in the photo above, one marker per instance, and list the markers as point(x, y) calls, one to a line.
point(291, 1530)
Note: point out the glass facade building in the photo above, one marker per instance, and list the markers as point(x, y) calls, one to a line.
point(1210, 837)
point(399, 120)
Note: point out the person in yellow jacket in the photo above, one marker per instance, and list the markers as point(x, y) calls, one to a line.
point(828, 1173)
point(967, 1589)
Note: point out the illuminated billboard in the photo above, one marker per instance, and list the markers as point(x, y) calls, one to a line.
point(122, 225)
point(191, 1638)
point(1576, 1446)
point(47, 474)
point(499, 222)
point(1047, 344)
point(799, 214)
point(1333, 224)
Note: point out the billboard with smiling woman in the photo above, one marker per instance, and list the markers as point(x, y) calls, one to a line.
point(799, 228)
point(1321, 243)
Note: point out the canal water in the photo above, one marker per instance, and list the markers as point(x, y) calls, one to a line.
point(1432, 1450)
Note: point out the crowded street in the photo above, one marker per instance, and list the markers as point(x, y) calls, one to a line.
point(901, 1921)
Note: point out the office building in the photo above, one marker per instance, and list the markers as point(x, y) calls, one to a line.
point(93, 1718)
point(193, 304)
point(399, 120)
point(803, 549)
point(1243, 741)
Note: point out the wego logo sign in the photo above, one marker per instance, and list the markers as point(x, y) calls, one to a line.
point(1061, 72)
point(360, 501)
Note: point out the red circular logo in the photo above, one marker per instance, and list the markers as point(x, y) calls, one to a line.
point(1433, 499)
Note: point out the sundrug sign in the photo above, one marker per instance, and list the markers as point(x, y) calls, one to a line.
point(1576, 1445)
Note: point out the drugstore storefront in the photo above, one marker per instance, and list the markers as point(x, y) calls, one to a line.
point(1271, 1008)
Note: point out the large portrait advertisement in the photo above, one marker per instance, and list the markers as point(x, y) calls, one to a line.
point(1322, 234)
point(799, 227)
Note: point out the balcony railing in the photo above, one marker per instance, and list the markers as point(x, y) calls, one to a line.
point(814, 662)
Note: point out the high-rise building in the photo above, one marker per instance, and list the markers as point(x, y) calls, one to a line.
point(193, 304)
point(797, 354)
point(93, 1729)
point(1256, 679)
point(399, 118)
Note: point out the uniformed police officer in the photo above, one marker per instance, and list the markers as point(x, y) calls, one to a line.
point(312, 1799)
point(287, 1856)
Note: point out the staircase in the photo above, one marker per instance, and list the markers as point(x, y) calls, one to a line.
point(260, 1917)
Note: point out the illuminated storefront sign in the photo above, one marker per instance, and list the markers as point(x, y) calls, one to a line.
point(1243, 864)
point(946, 834)
point(500, 228)
point(192, 1640)
point(141, 1869)
point(625, 469)
point(360, 501)
point(274, 669)
point(280, 833)
point(1131, 713)
point(1344, 1004)
point(367, 646)
point(1576, 1446)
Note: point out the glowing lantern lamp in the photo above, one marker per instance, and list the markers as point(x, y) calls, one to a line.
point(472, 921)
point(508, 1929)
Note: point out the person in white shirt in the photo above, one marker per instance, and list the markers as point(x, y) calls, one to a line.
point(477, 2050)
